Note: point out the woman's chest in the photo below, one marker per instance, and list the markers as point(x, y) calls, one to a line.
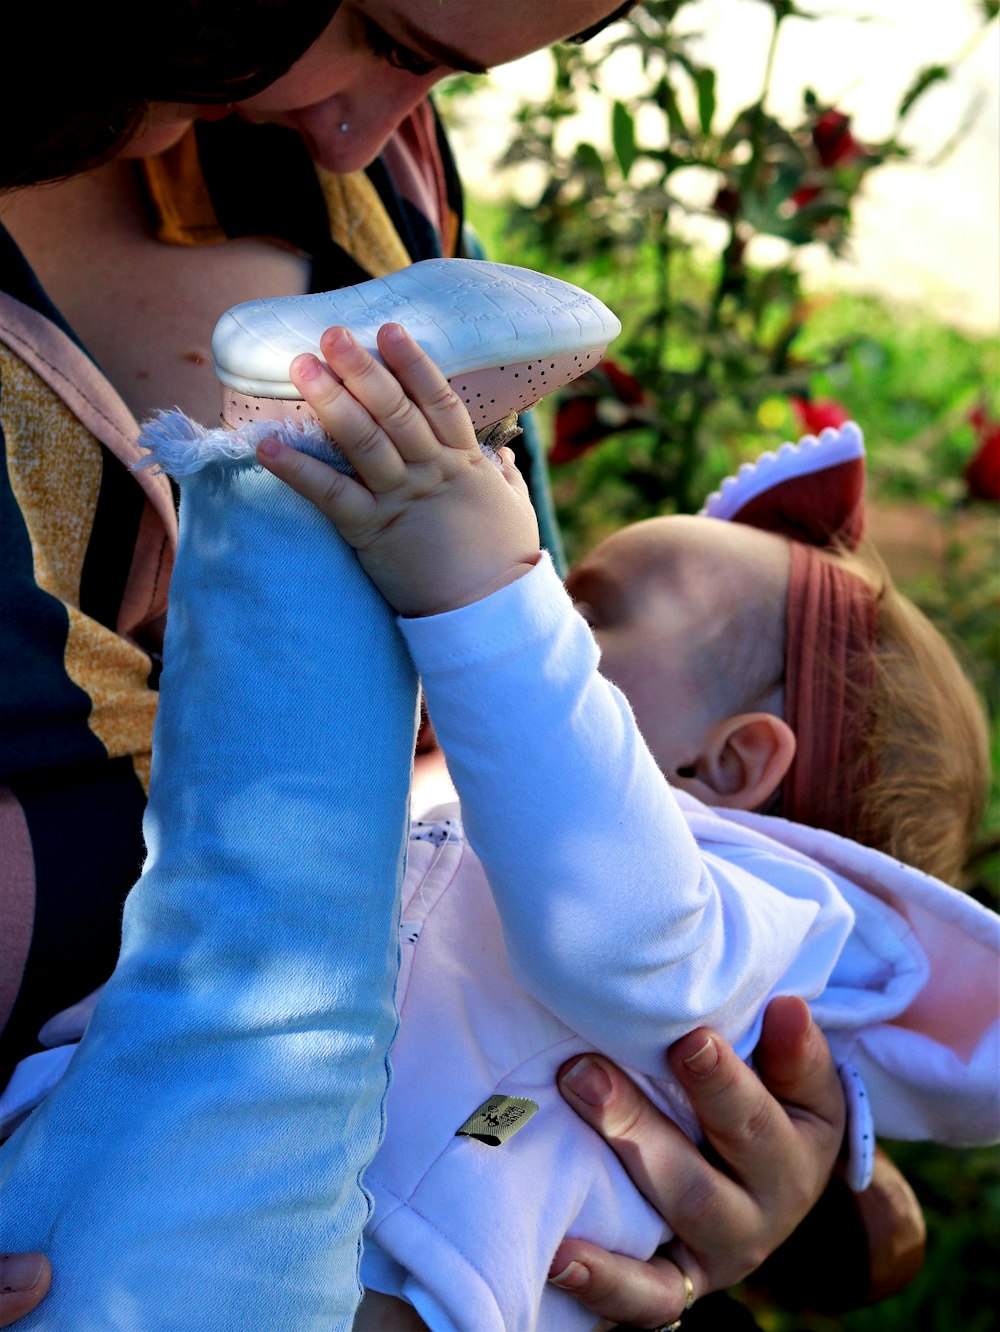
point(164, 302)
point(145, 311)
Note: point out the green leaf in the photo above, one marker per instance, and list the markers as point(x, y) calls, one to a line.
point(589, 160)
point(925, 79)
point(623, 137)
point(587, 157)
point(666, 100)
point(787, 9)
point(706, 99)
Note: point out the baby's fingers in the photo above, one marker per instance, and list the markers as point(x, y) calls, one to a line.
point(347, 503)
point(343, 412)
point(511, 474)
point(424, 383)
point(385, 417)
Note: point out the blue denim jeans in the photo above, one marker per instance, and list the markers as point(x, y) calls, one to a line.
point(198, 1169)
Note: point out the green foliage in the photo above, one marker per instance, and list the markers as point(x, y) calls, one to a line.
point(711, 337)
point(925, 77)
point(960, 1282)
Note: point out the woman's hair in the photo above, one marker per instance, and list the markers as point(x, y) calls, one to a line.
point(923, 775)
point(78, 84)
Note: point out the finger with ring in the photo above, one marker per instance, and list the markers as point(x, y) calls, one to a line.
point(688, 1301)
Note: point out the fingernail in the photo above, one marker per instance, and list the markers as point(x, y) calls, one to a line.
point(269, 448)
point(704, 1060)
point(20, 1271)
point(393, 332)
point(338, 339)
point(306, 366)
point(588, 1081)
point(572, 1277)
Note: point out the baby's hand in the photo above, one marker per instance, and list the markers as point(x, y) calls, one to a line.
point(436, 524)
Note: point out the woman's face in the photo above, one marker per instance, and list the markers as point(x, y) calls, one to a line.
point(376, 60)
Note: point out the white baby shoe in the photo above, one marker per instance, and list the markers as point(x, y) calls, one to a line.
point(503, 336)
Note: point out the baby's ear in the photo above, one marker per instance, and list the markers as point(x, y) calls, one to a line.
point(745, 761)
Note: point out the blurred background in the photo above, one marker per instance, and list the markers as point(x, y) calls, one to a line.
point(795, 210)
point(926, 231)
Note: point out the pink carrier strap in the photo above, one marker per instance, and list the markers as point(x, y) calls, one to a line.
point(74, 377)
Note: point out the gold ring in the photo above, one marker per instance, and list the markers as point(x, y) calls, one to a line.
point(688, 1301)
point(688, 1292)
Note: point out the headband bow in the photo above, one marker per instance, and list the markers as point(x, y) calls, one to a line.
point(812, 493)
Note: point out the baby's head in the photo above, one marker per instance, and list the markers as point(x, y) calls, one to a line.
point(689, 615)
point(773, 674)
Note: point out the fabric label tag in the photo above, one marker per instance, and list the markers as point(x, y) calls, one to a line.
point(498, 1119)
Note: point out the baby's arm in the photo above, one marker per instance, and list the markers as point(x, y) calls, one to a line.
point(436, 523)
point(612, 917)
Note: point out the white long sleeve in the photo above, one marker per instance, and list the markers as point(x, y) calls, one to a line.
point(613, 917)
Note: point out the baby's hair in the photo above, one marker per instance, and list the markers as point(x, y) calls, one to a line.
point(924, 771)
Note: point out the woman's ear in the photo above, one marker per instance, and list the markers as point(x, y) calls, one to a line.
point(745, 760)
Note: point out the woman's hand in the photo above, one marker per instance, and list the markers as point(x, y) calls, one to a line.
point(24, 1282)
point(436, 523)
point(775, 1139)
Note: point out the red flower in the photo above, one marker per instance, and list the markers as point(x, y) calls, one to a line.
point(805, 195)
point(727, 201)
point(982, 471)
point(820, 413)
point(603, 402)
point(834, 143)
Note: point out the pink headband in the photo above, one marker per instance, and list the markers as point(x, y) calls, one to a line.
point(812, 493)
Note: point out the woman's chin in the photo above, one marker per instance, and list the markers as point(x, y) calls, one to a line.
point(332, 142)
point(342, 160)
